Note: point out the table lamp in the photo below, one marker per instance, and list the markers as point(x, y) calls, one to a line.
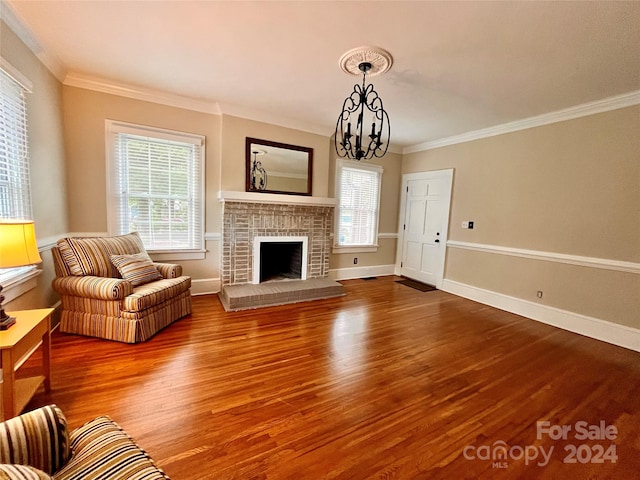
point(18, 248)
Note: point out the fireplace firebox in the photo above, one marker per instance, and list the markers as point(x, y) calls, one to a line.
point(280, 261)
point(279, 258)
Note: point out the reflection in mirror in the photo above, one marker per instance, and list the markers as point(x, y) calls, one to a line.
point(274, 167)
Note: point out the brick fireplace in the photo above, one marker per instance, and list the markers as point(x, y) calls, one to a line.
point(249, 217)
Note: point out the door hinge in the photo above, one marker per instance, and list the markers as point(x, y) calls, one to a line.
point(404, 227)
point(407, 188)
point(401, 264)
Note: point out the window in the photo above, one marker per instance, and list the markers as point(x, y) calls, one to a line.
point(358, 188)
point(156, 188)
point(15, 193)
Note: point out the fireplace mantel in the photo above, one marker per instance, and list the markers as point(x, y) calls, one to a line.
point(254, 197)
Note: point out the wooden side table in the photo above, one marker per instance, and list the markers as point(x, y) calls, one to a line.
point(32, 327)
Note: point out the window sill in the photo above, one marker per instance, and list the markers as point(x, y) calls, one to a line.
point(169, 255)
point(355, 249)
point(20, 284)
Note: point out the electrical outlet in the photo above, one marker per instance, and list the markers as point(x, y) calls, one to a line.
point(470, 225)
point(539, 294)
point(355, 260)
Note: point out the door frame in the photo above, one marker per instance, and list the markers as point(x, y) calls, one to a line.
point(447, 173)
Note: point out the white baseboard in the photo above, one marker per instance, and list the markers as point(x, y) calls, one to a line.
point(361, 272)
point(606, 331)
point(205, 286)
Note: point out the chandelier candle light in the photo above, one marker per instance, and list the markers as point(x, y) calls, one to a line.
point(366, 106)
point(258, 173)
point(18, 248)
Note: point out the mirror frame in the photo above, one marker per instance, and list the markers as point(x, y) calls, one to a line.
point(309, 151)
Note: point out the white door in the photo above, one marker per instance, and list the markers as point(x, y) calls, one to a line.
point(426, 198)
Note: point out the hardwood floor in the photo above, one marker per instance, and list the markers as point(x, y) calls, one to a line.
point(385, 382)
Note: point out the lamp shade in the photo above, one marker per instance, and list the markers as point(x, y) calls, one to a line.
point(18, 247)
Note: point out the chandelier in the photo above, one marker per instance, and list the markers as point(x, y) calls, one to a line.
point(363, 130)
point(258, 173)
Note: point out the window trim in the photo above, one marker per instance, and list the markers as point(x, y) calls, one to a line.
point(16, 75)
point(112, 128)
point(337, 248)
point(19, 280)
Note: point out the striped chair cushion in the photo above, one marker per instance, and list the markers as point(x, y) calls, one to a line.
point(39, 439)
point(152, 294)
point(101, 449)
point(136, 268)
point(21, 472)
point(91, 255)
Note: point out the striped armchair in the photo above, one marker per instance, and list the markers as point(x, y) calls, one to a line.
point(38, 445)
point(110, 288)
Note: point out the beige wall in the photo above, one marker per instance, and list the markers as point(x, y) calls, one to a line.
point(570, 188)
point(85, 112)
point(388, 221)
point(47, 160)
point(69, 191)
point(234, 132)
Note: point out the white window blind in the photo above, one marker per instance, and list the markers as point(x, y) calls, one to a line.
point(15, 192)
point(156, 186)
point(359, 193)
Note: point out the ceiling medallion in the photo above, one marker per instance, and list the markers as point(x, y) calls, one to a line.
point(366, 106)
point(380, 60)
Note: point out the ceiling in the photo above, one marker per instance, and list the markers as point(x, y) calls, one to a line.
point(458, 66)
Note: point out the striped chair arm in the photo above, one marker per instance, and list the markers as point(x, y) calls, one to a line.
point(102, 449)
point(38, 439)
point(100, 288)
point(169, 270)
point(22, 472)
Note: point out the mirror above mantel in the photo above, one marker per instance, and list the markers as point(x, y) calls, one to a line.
point(273, 167)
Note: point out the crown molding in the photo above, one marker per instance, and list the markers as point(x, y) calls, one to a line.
point(20, 28)
point(74, 79)
point(583, 110)
point(273, 119)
